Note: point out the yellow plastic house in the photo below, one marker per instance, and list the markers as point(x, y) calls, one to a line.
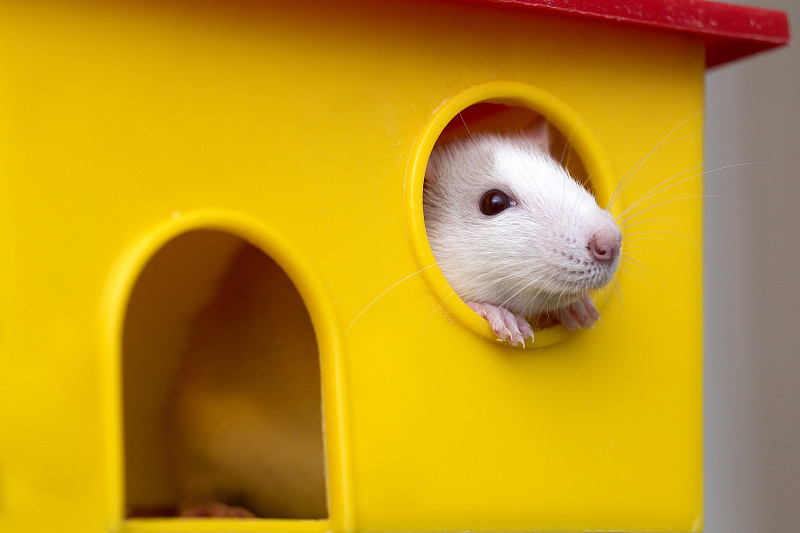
point(141, 141)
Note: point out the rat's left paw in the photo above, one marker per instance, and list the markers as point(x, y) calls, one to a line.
point(579, 314)
point(505, 324)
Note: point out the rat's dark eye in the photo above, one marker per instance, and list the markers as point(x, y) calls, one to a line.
point(494, 202)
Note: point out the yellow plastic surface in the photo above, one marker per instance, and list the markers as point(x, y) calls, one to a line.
point(304, 128)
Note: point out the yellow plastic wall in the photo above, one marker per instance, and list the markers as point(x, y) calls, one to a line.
point(304, 128)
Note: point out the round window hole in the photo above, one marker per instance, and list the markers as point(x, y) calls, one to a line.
point(510, 199)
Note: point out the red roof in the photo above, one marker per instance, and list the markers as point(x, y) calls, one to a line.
point(728, 31)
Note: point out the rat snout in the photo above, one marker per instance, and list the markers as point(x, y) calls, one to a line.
point(605, 244)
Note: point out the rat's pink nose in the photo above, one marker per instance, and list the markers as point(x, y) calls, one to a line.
point(605, 244)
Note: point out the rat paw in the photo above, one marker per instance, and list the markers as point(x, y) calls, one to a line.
point(580, 314)
point(217, 510)
point(505, 324)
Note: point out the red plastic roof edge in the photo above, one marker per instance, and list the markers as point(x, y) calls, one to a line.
point(729, 31)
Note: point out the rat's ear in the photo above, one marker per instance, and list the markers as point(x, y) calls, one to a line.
point(538, 133)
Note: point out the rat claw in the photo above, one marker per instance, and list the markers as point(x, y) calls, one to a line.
point(579, 314)
point(566, 318)
point(504, 323)
point(593, 312)
point(525, 329)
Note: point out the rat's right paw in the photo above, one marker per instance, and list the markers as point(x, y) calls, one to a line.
point(505, 324)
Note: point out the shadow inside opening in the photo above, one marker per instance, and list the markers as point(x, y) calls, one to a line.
point(221, 386)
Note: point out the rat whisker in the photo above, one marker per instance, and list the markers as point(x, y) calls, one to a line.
point(669, 238)
point(661, 187)
point(655, 190)
point(628, 249)
point(435, 309)
point(567, 146)
point(465, 125)
point(633, 262)
point(618, 191)
point(381, 295)
point(617, 288)
point(629, 272)
point(648, 208)
point(651, 220)
point(658, 232)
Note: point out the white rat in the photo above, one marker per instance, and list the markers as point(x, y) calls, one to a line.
point(514, 234)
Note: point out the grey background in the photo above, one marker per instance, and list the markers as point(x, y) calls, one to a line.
point(752, 293)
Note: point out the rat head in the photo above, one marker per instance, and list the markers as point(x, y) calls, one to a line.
point(510, 227)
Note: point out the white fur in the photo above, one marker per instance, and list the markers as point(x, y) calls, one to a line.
point(530, 258)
